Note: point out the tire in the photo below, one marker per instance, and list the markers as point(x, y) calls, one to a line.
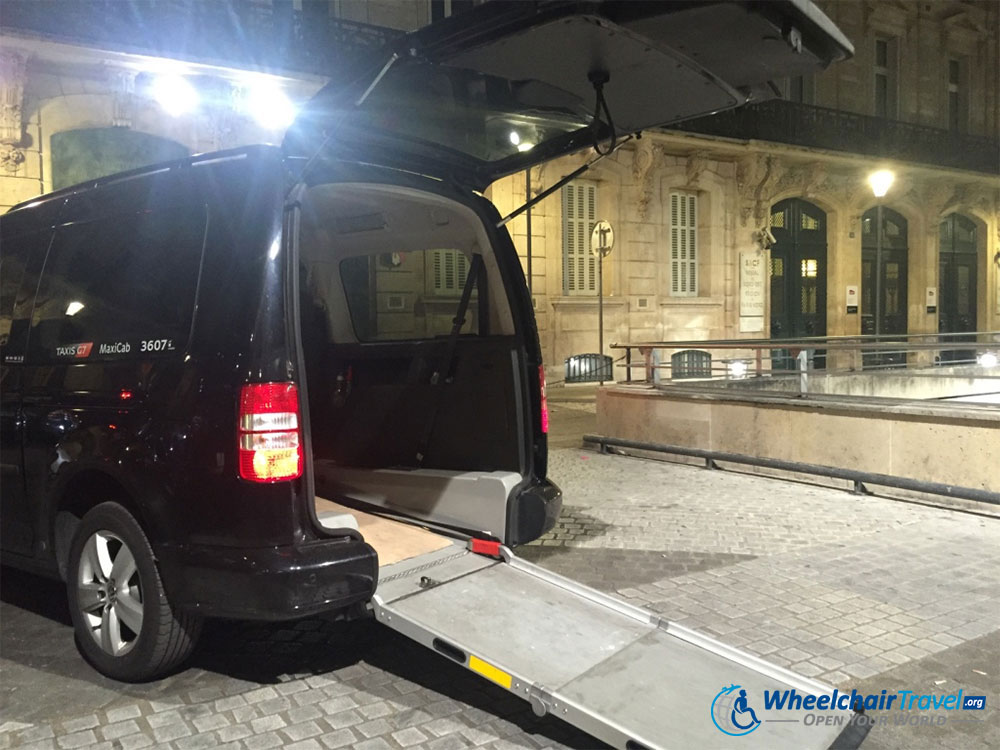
point(125, 626)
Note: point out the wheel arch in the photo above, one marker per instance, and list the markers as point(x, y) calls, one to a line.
point(85, 490)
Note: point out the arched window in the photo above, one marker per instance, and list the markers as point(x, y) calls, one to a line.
point(83, 155)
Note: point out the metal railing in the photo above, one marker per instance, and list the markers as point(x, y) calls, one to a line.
point(749, 359)
point(820, 127)
point(239, 33)
point(858, 478)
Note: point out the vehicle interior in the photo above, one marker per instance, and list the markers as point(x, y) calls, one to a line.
point(407, 410)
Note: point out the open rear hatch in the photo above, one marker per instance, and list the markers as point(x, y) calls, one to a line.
point(511, 84)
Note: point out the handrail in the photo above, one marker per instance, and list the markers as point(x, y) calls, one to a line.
point(776, 357)
point(860, 478)
point(853, 341)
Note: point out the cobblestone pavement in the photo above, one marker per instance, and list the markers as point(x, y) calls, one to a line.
point(859, 591)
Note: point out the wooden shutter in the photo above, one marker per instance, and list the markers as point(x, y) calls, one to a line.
point(579, 216)
point(683, 245)
point(450, 268)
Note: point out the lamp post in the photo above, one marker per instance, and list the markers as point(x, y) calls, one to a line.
point(880, 182)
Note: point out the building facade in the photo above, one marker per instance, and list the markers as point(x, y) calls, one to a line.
point(753, 224)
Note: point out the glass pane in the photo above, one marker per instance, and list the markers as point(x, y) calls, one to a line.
point(946, 225)
point(398, 297)
point(118, 283)
point(954, 70)
point(778, 219)
point(867, 288)
point(777, 287)
point(881, 95)
point(809, 222)
point(892, 289)
point(808, 297)
point(963, 296)
point(881, 53)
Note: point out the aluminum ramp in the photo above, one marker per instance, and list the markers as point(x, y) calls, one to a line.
point(618, 672)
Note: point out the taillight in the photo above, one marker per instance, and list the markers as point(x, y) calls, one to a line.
point(545, 403)
point(270, 438)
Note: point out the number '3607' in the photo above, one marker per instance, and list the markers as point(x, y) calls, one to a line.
point(157, 345)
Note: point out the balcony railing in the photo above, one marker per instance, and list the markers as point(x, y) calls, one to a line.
point(237, 33)
point(819, 127)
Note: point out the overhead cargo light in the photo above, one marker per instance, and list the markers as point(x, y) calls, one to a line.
point(270, 106)
point(174, 94)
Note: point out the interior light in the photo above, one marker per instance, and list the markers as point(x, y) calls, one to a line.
point(74, 307)
point(270, 106)
point(988, 359)
point(175, 94)
point(880, 182)
point(515, 139)
point(737, 369)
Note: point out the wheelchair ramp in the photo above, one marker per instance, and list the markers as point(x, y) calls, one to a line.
point(618, 672)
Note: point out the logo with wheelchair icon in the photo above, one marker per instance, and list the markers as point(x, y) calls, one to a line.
point(732, 713)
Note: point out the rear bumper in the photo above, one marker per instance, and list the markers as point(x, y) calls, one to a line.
point(272, 583)
point(533, 511)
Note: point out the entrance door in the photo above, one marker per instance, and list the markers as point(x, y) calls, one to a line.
point(798, 274)
point(891, 235)
point(957, 279)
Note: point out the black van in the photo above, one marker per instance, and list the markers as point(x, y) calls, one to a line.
point(192, 352)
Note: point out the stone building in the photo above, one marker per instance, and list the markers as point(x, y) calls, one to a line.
point(752, 224)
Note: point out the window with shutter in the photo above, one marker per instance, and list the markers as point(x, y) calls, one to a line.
point(579, 217)
point(449, 271)
point(683, 245)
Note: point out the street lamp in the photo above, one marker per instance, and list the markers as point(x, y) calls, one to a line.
point(880, 182)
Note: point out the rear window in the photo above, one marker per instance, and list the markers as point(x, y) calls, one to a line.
point(119, 286)
point(414, 295)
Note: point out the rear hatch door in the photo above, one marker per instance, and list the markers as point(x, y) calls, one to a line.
point(509, 85)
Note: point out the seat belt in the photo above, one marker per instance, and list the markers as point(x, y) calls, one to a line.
point(443, 374)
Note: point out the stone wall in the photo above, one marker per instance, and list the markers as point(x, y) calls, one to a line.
point(956, 446)
point(928, 34)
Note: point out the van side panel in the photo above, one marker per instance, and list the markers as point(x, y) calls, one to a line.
point(121, 403)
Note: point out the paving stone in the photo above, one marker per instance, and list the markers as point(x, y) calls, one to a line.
point(296, 732)
point(267, 724)
point(374, 744)
point(264, 741)
point(310, 744)
point(374, 728)
point(205, 741)
point(76, 739)
point(233, 733)
point(119, 729)
point(409, 736)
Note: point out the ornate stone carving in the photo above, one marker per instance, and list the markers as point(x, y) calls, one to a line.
point(697, 163)
point(754, 175)
point(12, 75)
point(11, 158)
point(643, 159)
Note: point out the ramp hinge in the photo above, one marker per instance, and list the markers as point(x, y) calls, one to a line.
point(541, 700)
